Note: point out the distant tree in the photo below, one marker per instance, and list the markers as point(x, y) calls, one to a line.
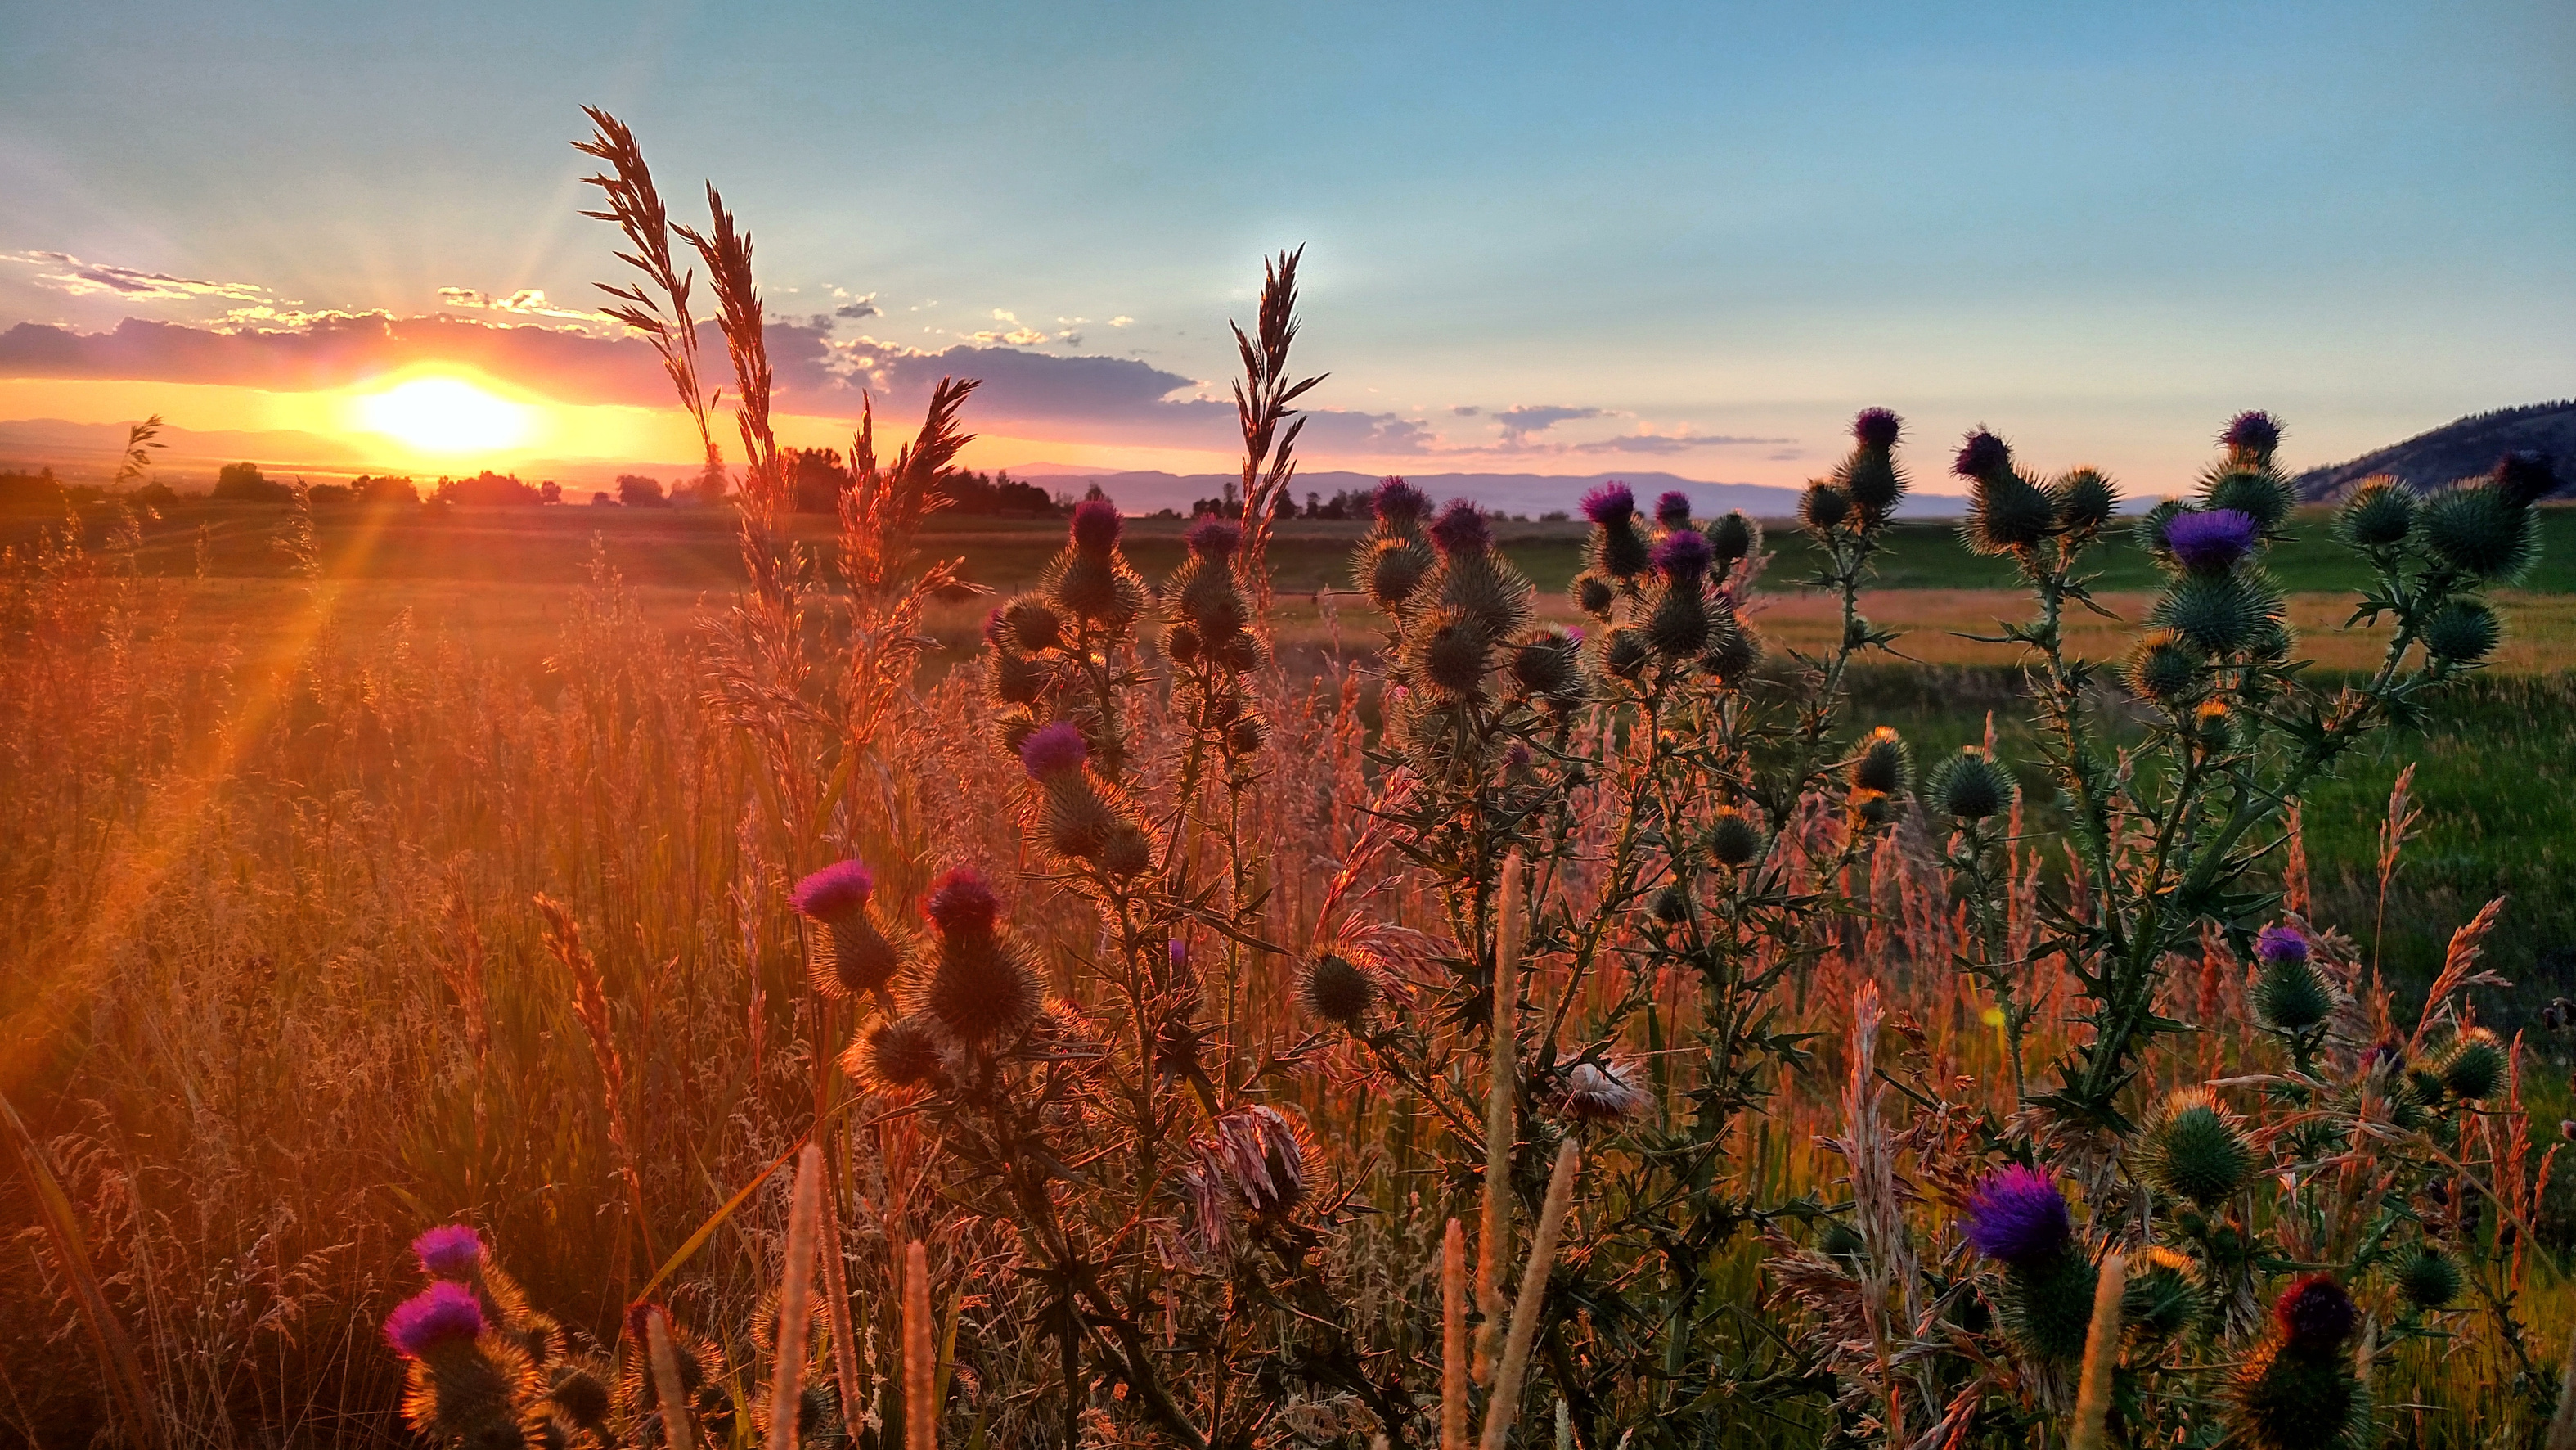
point(712, 485)
point(638, 491)
point(155, 494)
point(601, 500)
point(329, 493)
point(38, 492)
point(550, 492)
point(488, 490)
point(244, 483)
point(815, 477)
point(371, 489)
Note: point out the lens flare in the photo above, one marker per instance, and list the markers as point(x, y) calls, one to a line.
point(444, 415)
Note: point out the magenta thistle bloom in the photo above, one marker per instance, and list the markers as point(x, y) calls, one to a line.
point(1461, 529)
point(1095, 525)
point(962, 902)
point(1682, 554)
point(1983, 455)
point(443, 1313)
point(1215, 538)
point(1877, 428)
point(2280, 945)
point(1053, 750)
point(1672, 509)
point(1610, 504)
point(2209, 541)
point(450, 1251)
point(834, 893)
point(1398, 502)
point(2526, 476)
point(2252, 432)
point(2018, 1216)
point(2316, 1314)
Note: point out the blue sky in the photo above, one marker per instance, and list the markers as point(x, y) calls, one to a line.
point(2099, 229)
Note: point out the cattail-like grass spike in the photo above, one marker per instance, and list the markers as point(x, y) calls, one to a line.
point(1504, 1406)
point(796, 1287)
point(677, 1433)
point(920, 1416)
point(1453, 1337)
point(2101, 1356)
point(1500, 1099)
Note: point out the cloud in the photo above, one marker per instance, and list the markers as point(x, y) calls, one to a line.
point(87, 279)
point(1466, 410)
point(526, 302)
point(1522, 422)
point(863, 307)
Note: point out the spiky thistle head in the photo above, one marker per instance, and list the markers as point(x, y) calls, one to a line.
point(2428, 1277)
point(1824, 506)
point(2209, 541)
point(2316, 1314)
point(2276, 944)
point(896, 1056)
point(1734, 840)
point(1398, 504)
point(449, 1251)
point(2219, 614)
point(1682, 556)
point(1215, 538)
point(1883, 764)
point(1030, 624)
point(1096, 524)
point(2290, 994)
point(1732, 537)
point(2526, 477)
point(2164, 1293)
point(1461, 529)
point(1550, 664)
point(2377, 514)
point(2251, 437)
point(2085, 499)
point(1982, 457)
point(444, 1314)
point(961, 903)
point(1673, 509)
point(2463, 632)
point(1338, 990)
point(2474, 1066)
point(1972, 786)
point(835, 893)
point(1053, 749)
point(2165, 668)
point(2006, 512)
point(1388, 570)
point(2480, 532)
point(2195, 1150)
point(2258, 493)
point(1877, 429)
point(2017, 1216)
point(1610, 504)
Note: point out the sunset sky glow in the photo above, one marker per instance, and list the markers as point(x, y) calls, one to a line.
point(1683, 238)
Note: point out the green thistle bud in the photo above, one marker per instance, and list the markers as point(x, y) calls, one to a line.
point(1734, 840)
point(1338, 990)
point(2378, 513)
point(2473, 1066)
point(2165, 669)
point(2428, 1278)
point(1840, 1240)
point(2462, 632)
point(1247, 734)
point(1732, 538)
point(2290, 995)
point(2260, 495)
point(2048, 1305)
point(2007, 512)
point(1241, 652)
point(1857, 633)
point(1076, 818)
point(1875, 484)
point(1593, 595)
point(1547, 665)
point(1015, 679)
point(2292, 1401)
point(1883, 764)
point(2163, 1295)
point(1099, 588)
point(2085, 501)
point(2479, 532)
point(2424, 1088)
point(1873, 807)
point(1032, 625)
point(1971, 786)
point(1388, 570)
point(1181, 644)
point(1671, 906)
point(1823, 507)
point(2218, 613)
point(2196, 1151)
point(1678, 628)
point(1620, 550)
point(1624, 652)
point(1128, 852)
point(1733, 650)
point(2212, 724)
point(1449, 653)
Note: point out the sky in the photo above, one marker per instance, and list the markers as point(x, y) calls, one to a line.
point(1544, 238)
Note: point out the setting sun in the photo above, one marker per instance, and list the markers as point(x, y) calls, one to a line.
point(444, 415)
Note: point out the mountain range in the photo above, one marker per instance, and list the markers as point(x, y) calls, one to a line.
point(2463, 448)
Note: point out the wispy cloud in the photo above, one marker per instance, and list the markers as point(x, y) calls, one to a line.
point(91, 279)
point(1525, 421)
point(526, 302)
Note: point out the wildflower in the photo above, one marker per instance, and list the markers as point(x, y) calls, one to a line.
point(2196, 1152)
point(1263, 1159)
point(2480, 531)
point(2315, 1314)
point(2209, 541)
point(1823, 506)
point(450, 1251)
point(2290, 995)
point(1877, 428)
point(1610, 504)
point(2462, 632)
point(1215, 538)
point(2274, 945)
point(2017, 1216)
point(834, 893)
point(2428, 1278)
point(2377, 514)
point(1053, 750)
point(1970, 786)
point(1982, 456)
point(1399, 504)
point(2526, 477)
point(1338, 990)
point(1096, 525)
point(1884, 764)
point(2473, 1066)
point(962, 901)
point(1601, 1093)
point(2005, 511)
point(1673, 509)
point(896, 1055)
point(2085, 501)
point(1682, 556)
point(443, 1314)
point(1461, 529)
point(982, 987)
point(2251, 435)
point(1733, 839)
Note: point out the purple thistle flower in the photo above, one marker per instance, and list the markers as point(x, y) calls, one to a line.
point(1461, 529)
point(443, 1313)
point(1179, 952)
point(1983, 455)
point(962, 901)
point(1682, 554)
point(1095, 525)
point(2252, 432)
point(2316, 1313)
point(1877, 428)
point(1053, 750)
point(1672, 509)
point(1399, 502)
point(2280, 946)
point(1215, 538)
point(834, 892)
point(1573, 635)
point(2209, 541)
point(450, 1251)
point(1610, 504)
point(2018, 1216)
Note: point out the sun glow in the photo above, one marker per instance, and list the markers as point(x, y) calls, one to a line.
point(445, 415)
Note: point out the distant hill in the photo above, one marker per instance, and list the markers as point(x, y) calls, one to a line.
point(2463, 449)
point(1517, 493)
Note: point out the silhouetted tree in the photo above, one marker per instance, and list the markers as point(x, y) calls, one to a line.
point(638, 491)
point(244, 483)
